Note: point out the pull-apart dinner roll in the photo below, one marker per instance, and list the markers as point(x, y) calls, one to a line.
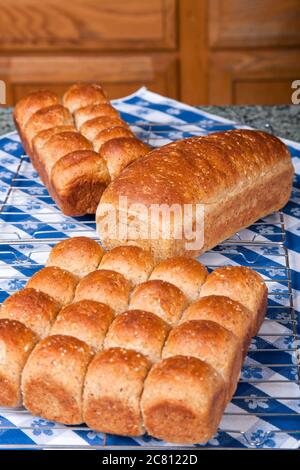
point(33, 308)
point(211, 343)
point(142, 331)
point(185, 273)
point(119, 153)
point(16, 343)
point(113, 387)
point(77, 182)
point(114, 132)
point(183, 400)
point(242, 284)
point(226, 312)
point(92, 111)
point(83, 94)
point(105, 286)
point(161, 298)
point(42, 137)
point(56, 282)
point(79, 255)
point(86, 320)
point(53, 379)
point(60, 145)
point(90, 129)
point(46, 118)
point(33, 102)
point(132, 261)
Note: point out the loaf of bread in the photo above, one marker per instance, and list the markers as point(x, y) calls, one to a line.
point(128, 354)
point(208, 188)
point(33, 308)
point(53, 379)
point(113, 387)
point(16, 343)
point(64, 143)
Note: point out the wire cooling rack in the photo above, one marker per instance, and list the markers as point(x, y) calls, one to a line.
point(31, 223)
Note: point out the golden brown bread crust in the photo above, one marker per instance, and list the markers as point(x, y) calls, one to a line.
point(33, 102)
point(105, 286)
point(226, 312)
point(120, 152)
point(86, 320)
point(237, 176)
point(185, 273)
point(33, 308)
point(92, 111)
point(83, 94)
point(134, 263)
point(60, 145)
point(46, 118)
point(161, 298)
point(113, 386)
point(53, 379)
point(114, 132)
point(211, 343)
point(57, 283)
point(243, 285)
point(142, 331)
point(183, 400)
point(91, 128)
point(79, 255)
point(78, 181)
point(16, 343)
point(43, 136)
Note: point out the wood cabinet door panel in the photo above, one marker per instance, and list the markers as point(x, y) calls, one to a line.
point(254, 23)
point(35, 25)
point(119, 75)
point(251, 77)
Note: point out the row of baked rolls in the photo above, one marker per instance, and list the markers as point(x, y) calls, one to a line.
point(76, 155)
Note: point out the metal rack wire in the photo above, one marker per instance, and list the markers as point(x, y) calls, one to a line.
point(27, 203)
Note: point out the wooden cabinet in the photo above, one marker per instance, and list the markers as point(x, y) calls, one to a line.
point(200, 51)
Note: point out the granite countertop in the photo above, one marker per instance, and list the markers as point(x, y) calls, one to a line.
point(284, 119)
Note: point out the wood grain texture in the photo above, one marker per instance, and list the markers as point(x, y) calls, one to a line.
point(29, 25)
point(255, 23)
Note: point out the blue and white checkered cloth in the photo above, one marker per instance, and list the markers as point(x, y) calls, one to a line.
point(265, 411)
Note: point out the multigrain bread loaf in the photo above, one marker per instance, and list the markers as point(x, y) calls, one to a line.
point(209, 187)
point(183, 400)
point(16, 343)
point(242, 284)
point(146, 376)
point(33, 308)
point(160, 297)
point(64, 141)
point(113, 387)
point(134, 263)
point(86, 320)
point(140, 330)
point(78, 255)
point(57, 283)
point(53, 379)
point(105, 286)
